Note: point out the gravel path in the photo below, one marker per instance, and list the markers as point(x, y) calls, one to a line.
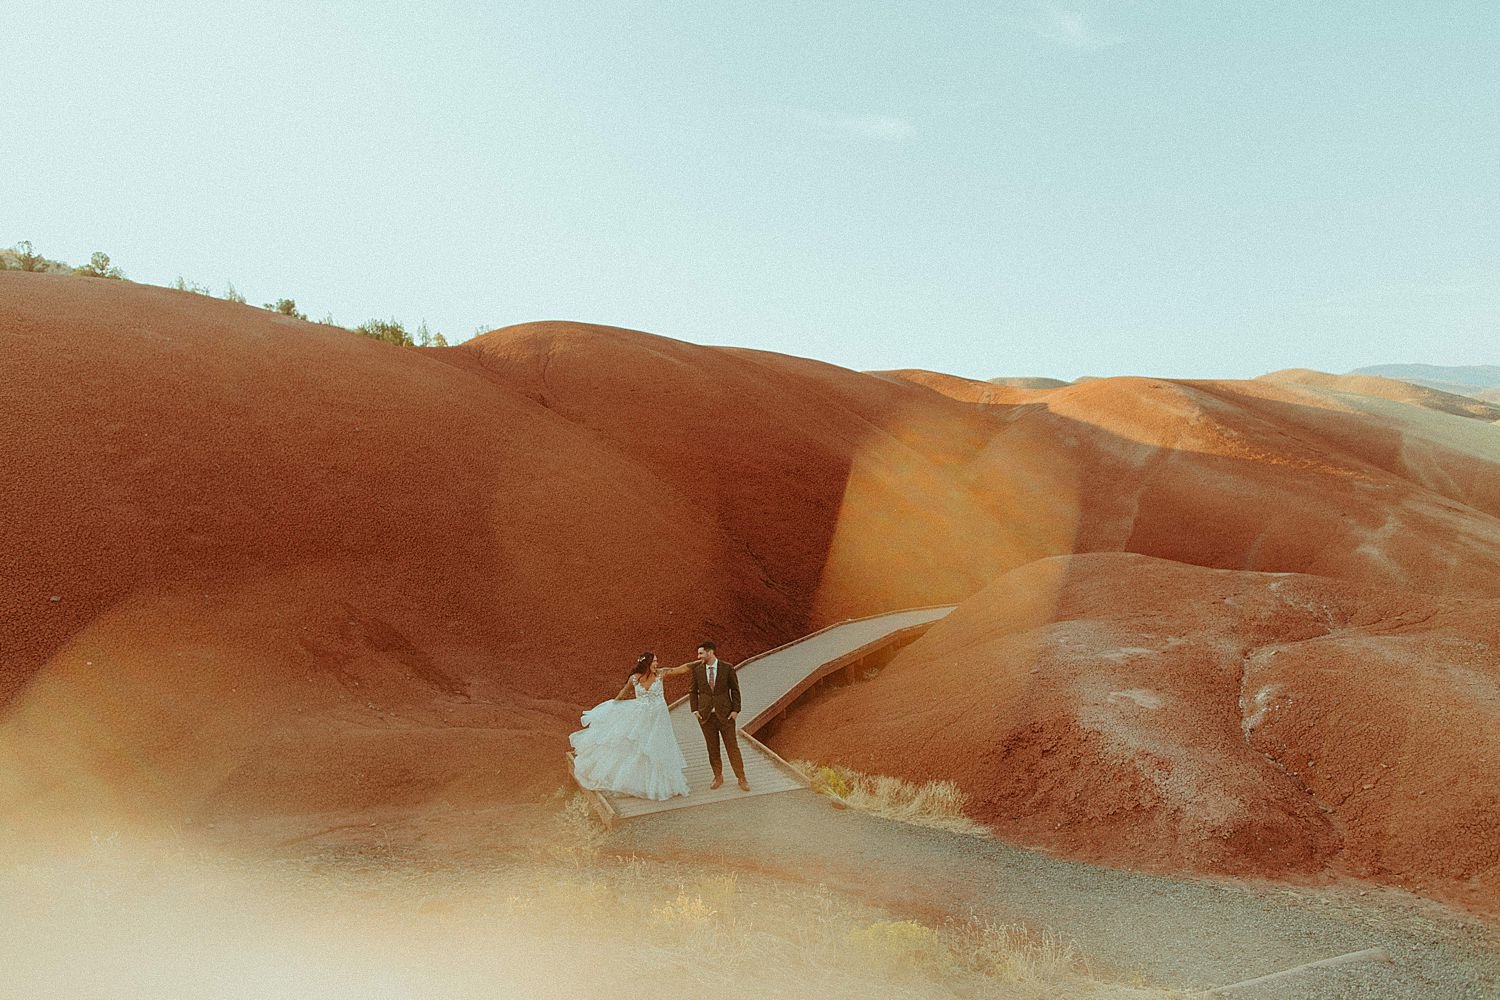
point(1176, 932)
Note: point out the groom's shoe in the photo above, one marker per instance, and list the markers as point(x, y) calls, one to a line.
point(744, 785)
point(718, 780)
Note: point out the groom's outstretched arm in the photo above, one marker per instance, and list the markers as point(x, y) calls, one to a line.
point(734, 689)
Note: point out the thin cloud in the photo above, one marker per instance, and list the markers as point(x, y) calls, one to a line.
point(1072, 28)
point(884, 128)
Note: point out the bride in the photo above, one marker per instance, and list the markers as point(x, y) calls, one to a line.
point(628, 746)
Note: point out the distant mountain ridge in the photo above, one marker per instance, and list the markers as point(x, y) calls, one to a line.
point(1482, 376)
point(1022, 382)
point(1480, 381)
point(1458, 403)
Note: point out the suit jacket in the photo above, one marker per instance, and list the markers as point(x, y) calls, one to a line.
point(724, 696)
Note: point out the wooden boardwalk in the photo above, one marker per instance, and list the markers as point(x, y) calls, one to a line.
point(769, 682)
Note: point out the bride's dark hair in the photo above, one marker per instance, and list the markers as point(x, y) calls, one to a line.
point(642, 662)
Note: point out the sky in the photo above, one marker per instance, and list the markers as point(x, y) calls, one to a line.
point(1184, 189)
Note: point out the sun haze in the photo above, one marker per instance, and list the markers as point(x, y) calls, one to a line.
point(1067, 421)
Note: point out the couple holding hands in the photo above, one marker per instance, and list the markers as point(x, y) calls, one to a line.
point(627, 745)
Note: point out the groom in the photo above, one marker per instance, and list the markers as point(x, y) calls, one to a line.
point(715, 701)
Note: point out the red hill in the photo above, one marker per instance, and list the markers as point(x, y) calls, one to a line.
point(255, 565)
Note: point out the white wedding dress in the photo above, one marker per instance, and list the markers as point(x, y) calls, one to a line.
point(629, 747)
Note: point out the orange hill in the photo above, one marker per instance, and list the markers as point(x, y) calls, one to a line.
point(296, 570)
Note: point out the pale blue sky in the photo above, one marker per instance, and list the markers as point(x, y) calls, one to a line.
point(1126, 187)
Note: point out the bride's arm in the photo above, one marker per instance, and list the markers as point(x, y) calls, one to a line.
point(624, 690)
point(682, 669)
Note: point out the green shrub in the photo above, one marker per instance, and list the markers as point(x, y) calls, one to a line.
point(27, 259)
point(426, 338)
point(390, 331)
point(23, 257)
point(286, 307)
point(100, 267)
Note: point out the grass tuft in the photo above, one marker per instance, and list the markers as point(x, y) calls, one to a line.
point(578, 836)
point(940, 804)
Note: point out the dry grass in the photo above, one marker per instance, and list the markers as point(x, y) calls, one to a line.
point(129, 921)
point(1011, 953)
point(939, 804)
point(577, 835)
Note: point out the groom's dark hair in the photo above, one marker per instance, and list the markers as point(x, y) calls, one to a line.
point(708, 644)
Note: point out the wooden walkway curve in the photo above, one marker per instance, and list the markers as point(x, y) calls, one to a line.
point(769, 682)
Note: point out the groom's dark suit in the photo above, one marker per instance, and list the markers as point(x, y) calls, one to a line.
point(712, 705)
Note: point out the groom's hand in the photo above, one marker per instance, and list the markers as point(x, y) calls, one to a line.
point(732, 715)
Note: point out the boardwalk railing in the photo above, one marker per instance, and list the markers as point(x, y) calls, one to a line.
point(769, 683)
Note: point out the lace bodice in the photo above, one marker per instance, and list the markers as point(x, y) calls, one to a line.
point(652, 693)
